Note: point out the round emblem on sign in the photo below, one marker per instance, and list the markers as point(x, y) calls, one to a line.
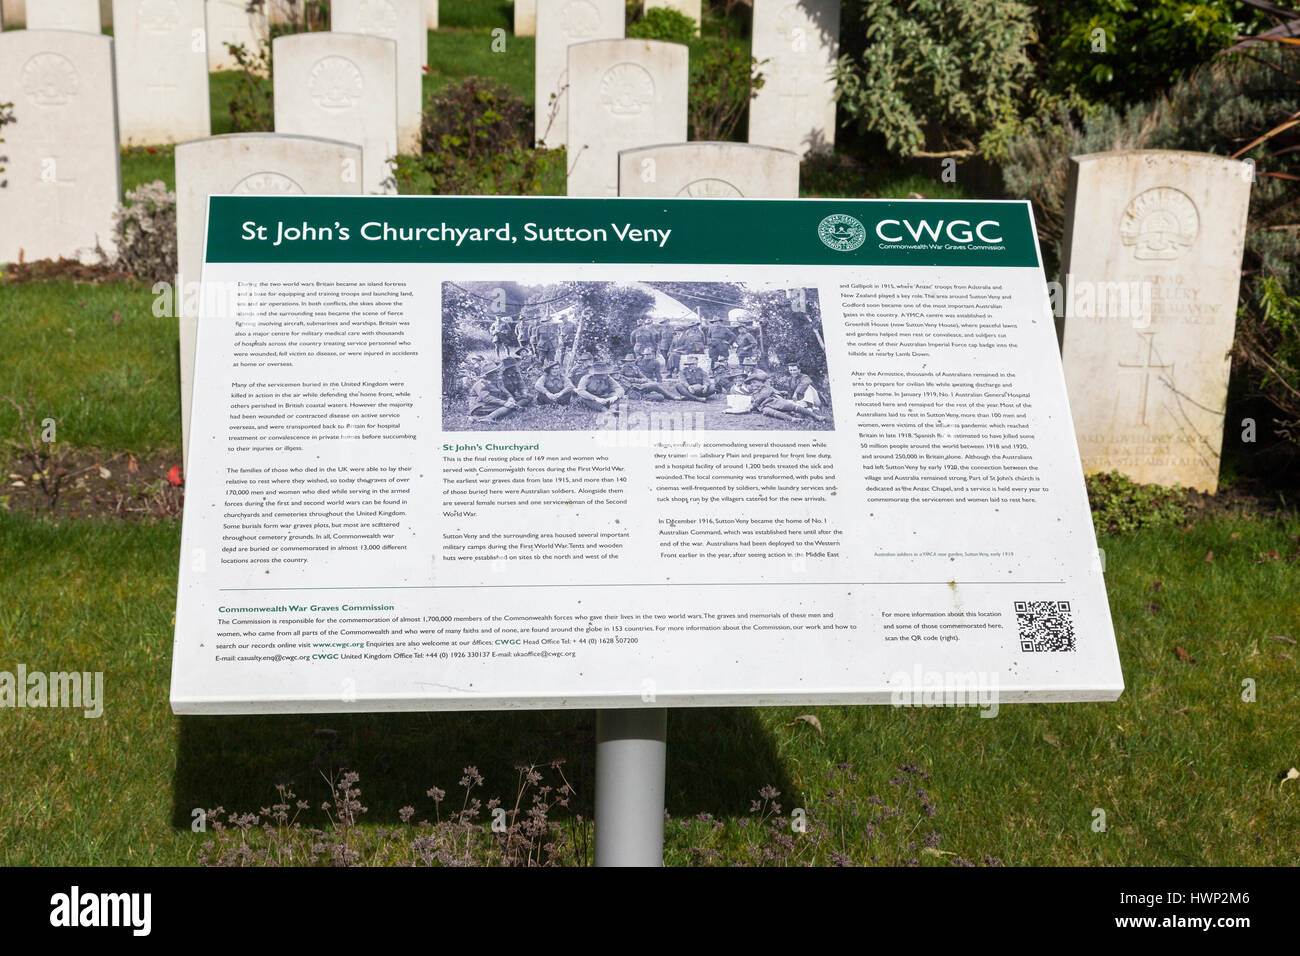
point(378, 16)
point(579, 18)
point(335, 83)
point(841, 233)
point(626, 89)
point(266, 183)
point(1160, 223)
point(49, 79)
point(709, 189)
point(158, 16)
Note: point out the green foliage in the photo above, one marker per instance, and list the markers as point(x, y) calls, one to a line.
point(664, 23)
point(1120, 505)
point(1268, 343)
point(1121, 51)
point(252, 105)
point(477, 139)
point(724, 78)
point(931, 77)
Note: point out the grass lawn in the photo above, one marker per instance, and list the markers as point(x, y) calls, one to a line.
point(1185, 770)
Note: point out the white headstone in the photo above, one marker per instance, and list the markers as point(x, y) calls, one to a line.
point(341, 86)
point(244, 163)
point(795, 108)
point(162, 71)
point(622, 94)
point(229, 21)
point(404, 22)
point(711, 170)
point(690, 8)
point(1152, 256)
point(431, 15)
point(64, 166)
point(560, 23)
point(64, 15)
point(525, 18)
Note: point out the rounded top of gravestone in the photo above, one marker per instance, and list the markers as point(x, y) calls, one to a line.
point(1156, 156)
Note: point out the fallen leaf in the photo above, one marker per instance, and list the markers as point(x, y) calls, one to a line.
point(1183, 655)
point(811, 720)
point(1292, 774)
point(1157, 586)
point(1282, 639)
point(1053, 740)
point(132, 465)
point(105, 473)
point(1209, 556)
point(117, 317)
point(1268, 556)
point(1153, 607)
point(1235, 535)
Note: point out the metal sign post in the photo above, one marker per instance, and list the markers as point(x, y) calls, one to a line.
point(631, 753)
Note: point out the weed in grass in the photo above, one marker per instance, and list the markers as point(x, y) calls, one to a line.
point(1121, 505)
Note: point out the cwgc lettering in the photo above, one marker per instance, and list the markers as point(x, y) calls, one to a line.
point(474, 453)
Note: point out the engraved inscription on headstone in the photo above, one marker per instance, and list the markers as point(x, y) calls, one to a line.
point(711, 170)
point(1152, 265)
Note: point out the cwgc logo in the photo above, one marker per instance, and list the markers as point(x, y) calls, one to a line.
point(1160, 223)
point(841, 233)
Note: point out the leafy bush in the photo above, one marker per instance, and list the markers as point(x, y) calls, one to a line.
point(145, 228)
point(931, 77)
point(724, 78)
point(1120, 505)
point(252, 104)
point(664, 23)
point(477, 138)
point(1268, 345)
point(1121, 51)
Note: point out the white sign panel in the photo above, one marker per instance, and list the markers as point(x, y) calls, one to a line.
point(483, 453)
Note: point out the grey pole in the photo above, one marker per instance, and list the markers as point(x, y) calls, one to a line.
point(631, 751)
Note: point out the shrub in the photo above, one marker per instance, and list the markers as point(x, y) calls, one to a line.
point(664, 23)
point(477, 138)
point(252, 104)
point(145, 229)
point(1120, 505)
point(724, 78)
point(1120, 51)
point(1268, 345)
point(931, 77)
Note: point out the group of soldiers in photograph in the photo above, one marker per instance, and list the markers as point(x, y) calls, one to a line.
point(702, 361)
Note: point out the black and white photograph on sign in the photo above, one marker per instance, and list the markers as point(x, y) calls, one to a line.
point(581, 356)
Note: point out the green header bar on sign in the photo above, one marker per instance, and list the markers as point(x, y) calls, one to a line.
point(822, 232)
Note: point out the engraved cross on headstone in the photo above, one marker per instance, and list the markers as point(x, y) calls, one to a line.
point(1146, 367)
point(49, 176)
point(160, 85)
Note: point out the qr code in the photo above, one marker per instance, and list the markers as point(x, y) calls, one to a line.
point(1045, 625)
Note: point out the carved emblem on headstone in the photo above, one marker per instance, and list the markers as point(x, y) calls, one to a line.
point(378, 16)
point(335, 83)
point(49, 79)
point(266, 183)
point(626, 89)
point(579, 18)
point(1160, 223)
point(158, 16)
point(709, 189)
point(788, 20)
